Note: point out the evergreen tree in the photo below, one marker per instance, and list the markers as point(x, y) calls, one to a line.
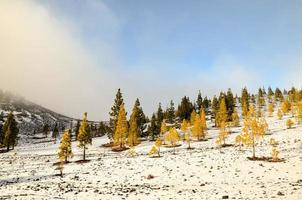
point(141, 118)
point(84, 136)
point(153, 128)
point(65, 151)
point(55, 132)
point(133, 130)
point(118, 101)
point(230, 104)
point(184, 109)
point(245, 101)
point(270, 93)
point(10, 130)
point(171, 113)
point(206, 104)
point(199, 102)
point(77, 129)
point(102, 129)
point(278, 95)
point(215, 108)
point(46, 130)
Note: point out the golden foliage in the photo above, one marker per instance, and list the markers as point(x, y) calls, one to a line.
point(121, 128)
point(65, 151)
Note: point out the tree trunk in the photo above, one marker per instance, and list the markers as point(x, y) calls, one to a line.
point(7, 148)
point(84, 155)
point(254, 154)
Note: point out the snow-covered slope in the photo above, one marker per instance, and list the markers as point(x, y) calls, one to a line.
point(29, 116)
point(206, 172)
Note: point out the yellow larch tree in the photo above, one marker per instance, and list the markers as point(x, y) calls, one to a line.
point(133, 138)
point(197, 130)
point(275, 152)
point(279, 114)
point(65, 151)
point(299, 112)
point(253, 128)
point(163, 129)
point(192, 117)
point(173, 137)
point(289, 123)
point(84, 137)
point(121, 128)
point(223, 134)
point(185, 127)
point(235, 119)
point(222, 115)
point(285, 106)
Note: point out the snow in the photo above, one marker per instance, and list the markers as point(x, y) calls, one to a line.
point(205, 172)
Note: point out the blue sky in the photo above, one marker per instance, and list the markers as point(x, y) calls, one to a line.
point(191, 35)
point(160, 50)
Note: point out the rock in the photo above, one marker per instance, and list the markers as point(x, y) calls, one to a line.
point(225, 196)
point(280, 193)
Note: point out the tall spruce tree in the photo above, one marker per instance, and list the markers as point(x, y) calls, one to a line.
point(245, 101)
point(170, 113)
point(278, 95)
point(77, 129)
point(10, 130)
point(199, 102)
point(215, 107)
point(55, 132)
point(153, 129)
point(184, 109)
point(118, 101)
point(230, 104)
point(141, 118)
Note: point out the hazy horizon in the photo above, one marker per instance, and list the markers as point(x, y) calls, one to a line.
point(72, 56)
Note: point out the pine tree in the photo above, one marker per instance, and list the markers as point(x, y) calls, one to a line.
point(84, 136)
point(185, 109)
point(65, 151)
point(206, 104)
point(270, 94)
point(10, 130)
point(199, 102)
point(118, 101)
point(133, 130)
point(230, 104)
point(102, 129)
point(55, 132)
point(215, 108)
point(170, 113)
point(140, 119)
point(278, 95)
point(153, 128)
point(77, 129)
point(244, 101)
point(121, 130)
point(45, 130)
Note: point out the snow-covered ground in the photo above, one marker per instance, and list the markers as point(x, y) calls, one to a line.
point(206, 172)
